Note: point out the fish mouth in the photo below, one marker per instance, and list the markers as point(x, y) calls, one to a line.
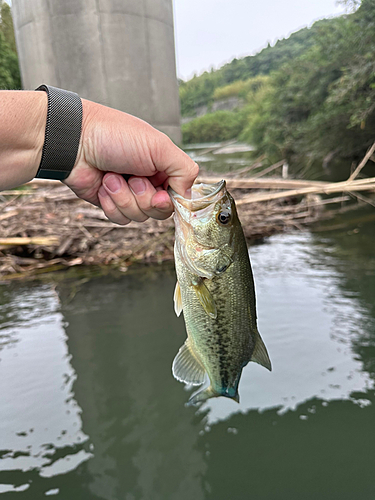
point(190, 214)
point(202, 195)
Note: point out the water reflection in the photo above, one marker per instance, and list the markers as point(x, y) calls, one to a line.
point(309, 328)
point(123, 338)
point(325, 451)
point(219, 163)
point(110, 420)
point(40, 424)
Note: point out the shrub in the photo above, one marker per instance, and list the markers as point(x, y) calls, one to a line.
point(218, 126)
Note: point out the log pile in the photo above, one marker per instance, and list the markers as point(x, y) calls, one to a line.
point(45, 227)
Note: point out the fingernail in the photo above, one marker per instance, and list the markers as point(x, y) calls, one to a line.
point(138, 186)
point(188, 194)
point(102, 191)
point(112, 183)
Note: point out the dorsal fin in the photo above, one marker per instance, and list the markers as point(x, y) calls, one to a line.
point(177, 299)
point(260, 354)
point(186, 367)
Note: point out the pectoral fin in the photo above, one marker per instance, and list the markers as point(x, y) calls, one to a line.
point(177, 299)
point(260, 354)
point(205, 298)
point(186, 367)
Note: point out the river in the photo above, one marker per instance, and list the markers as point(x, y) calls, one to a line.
point(89, 408)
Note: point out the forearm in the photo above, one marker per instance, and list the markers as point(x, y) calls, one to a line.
point(112, 143)
point(22, 127)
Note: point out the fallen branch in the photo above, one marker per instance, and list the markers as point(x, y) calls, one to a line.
point(42, 241)
point(267, 183)
point(269, 169)
point(325, 188)
point(363, 162)
point(9, 214)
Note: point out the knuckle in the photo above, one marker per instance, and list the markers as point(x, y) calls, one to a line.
point(125, 203)
point(146, 207)
point(118, 219)
point(193, 169)
point(162, 144)
point(167, 141)
point(111, 211)
point(141, 218)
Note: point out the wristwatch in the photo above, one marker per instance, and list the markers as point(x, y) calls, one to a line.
point(63, 133)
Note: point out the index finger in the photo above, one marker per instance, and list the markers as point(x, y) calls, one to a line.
point(179, 167)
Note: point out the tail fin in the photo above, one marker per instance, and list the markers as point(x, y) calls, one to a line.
point(209, 392)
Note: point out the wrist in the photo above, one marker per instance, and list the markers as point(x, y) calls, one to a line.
point(85, 178)
point(86, 149)
point(38, 136)
point(23, 116)
point(62, 133)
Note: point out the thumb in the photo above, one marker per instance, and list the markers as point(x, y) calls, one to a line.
point(177, 165)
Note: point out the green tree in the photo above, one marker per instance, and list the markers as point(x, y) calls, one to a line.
point(218, 126)
point(324, 100)
point(10, 77)
point(7, 25)
point(309, 95)
point(200, 90)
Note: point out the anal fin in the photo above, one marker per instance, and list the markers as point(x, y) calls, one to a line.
point(186, 367)
point(260, 354)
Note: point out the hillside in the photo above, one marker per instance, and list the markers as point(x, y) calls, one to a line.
point(310, 97)
point(200, 90)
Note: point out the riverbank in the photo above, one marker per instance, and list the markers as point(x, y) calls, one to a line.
point(44, 227)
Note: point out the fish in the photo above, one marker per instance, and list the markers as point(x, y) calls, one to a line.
point(215, 291)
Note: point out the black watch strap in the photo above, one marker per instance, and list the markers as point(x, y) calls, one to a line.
point(63, 133)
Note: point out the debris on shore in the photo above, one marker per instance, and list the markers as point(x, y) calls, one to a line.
point(45, 227)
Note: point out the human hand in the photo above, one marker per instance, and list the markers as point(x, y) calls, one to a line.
point(115, 143)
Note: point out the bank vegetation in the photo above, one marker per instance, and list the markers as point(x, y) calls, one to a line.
point(309, 98)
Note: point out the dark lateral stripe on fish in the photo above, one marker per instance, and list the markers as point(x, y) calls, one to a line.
point(217, 288)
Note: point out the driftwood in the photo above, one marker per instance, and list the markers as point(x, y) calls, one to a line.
point(13, 242)
point(325, 188)
point(45, 227)
point(266, 183)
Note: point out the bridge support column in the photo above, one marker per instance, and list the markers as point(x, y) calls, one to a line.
point(116, 52)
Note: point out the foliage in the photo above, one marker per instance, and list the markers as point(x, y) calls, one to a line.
point(240, 88)
point(259, 102)
point(200, 90)
point(7, 25)
point(10, 77)
point(324, 100)
point(212, 127)
point(307, 97)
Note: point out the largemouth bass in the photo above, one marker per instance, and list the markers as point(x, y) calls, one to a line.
point(215, 291)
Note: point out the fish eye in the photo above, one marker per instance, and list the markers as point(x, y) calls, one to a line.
point(223, 217)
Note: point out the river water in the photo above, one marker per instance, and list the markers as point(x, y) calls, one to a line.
point(89, 408)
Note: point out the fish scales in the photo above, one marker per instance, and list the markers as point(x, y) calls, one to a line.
point(216, 293)
point(223, 341)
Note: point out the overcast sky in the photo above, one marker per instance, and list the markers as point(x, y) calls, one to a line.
point(212, 32)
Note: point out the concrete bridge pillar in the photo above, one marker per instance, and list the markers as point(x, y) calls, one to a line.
point(116, 52)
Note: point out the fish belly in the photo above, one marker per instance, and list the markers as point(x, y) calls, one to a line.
point(223, 344)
